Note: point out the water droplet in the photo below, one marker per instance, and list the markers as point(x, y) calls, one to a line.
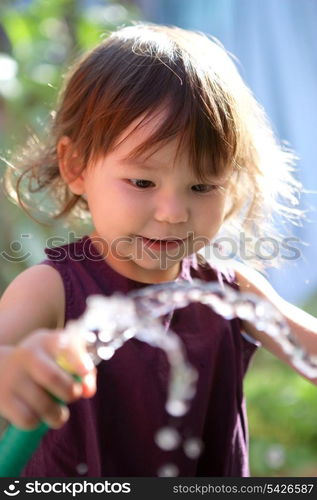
point(194, 295)
point(176, 408)
point(167, 438)
point(117, 343)
point(107, 333)
point(129, 333)
point(275, 456)
point(219, 306)
point(82, 468)
point(105, 352)
point(168, 470)
point(244, 310)
point(90, 337)
point(193, 447)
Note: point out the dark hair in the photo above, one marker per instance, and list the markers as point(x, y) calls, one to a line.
point(134, 72)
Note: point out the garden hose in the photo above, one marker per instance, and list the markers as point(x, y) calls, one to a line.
point(18, 445)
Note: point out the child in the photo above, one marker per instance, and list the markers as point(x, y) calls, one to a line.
point(159, 139)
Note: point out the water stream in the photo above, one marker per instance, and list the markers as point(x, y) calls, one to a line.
point(109, 322)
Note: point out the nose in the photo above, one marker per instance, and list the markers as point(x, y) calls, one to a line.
point(172, 209)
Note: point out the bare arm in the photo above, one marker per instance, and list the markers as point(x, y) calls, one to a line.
point(35, 299)
point(302, 324)
point(31, 339)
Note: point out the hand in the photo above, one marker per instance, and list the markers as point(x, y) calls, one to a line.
point(29, 375)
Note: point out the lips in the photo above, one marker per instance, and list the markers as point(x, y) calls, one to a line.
point(162, 245)
point(163, 240)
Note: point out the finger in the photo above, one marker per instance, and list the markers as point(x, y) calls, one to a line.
point(59, 344)
point(38, 354)
point(19, 413)
point(47, 374)
point(41, 403)
point(89, 384)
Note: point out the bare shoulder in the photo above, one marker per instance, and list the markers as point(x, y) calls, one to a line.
point(252, 281)
point(34, 299)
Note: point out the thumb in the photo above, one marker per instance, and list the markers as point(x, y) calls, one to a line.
point(89, 384)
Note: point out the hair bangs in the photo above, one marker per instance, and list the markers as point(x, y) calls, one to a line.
point(148, 80)
point(205, 136)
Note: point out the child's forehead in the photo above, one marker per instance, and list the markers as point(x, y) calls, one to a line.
point(140, 132)
point(140, 129)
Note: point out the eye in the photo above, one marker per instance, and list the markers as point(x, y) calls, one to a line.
point(204, 188)
point(141, 183)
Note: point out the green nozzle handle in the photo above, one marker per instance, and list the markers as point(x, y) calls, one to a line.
point(18, 445)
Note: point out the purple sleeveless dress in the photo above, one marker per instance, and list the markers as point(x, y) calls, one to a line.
point(112, 433)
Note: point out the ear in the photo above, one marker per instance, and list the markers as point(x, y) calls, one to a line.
point(70, 166)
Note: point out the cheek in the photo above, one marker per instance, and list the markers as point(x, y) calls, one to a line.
point(117, 211)
point(212, 213)
point(135, 207)
point(220, 207)
point(209, 221)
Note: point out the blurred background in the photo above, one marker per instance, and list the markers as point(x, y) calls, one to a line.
point(275, 43)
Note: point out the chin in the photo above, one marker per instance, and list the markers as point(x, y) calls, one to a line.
point(151, 266)
point(155, 265)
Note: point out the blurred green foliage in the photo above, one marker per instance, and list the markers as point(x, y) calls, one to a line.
point(43, 37)
point(38, 41)
point(282, 408)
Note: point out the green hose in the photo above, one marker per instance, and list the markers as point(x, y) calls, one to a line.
point(18, 445)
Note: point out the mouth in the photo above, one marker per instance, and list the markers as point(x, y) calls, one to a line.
point(163, 243)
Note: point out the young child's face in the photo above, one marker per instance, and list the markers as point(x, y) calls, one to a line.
point(136, 204)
